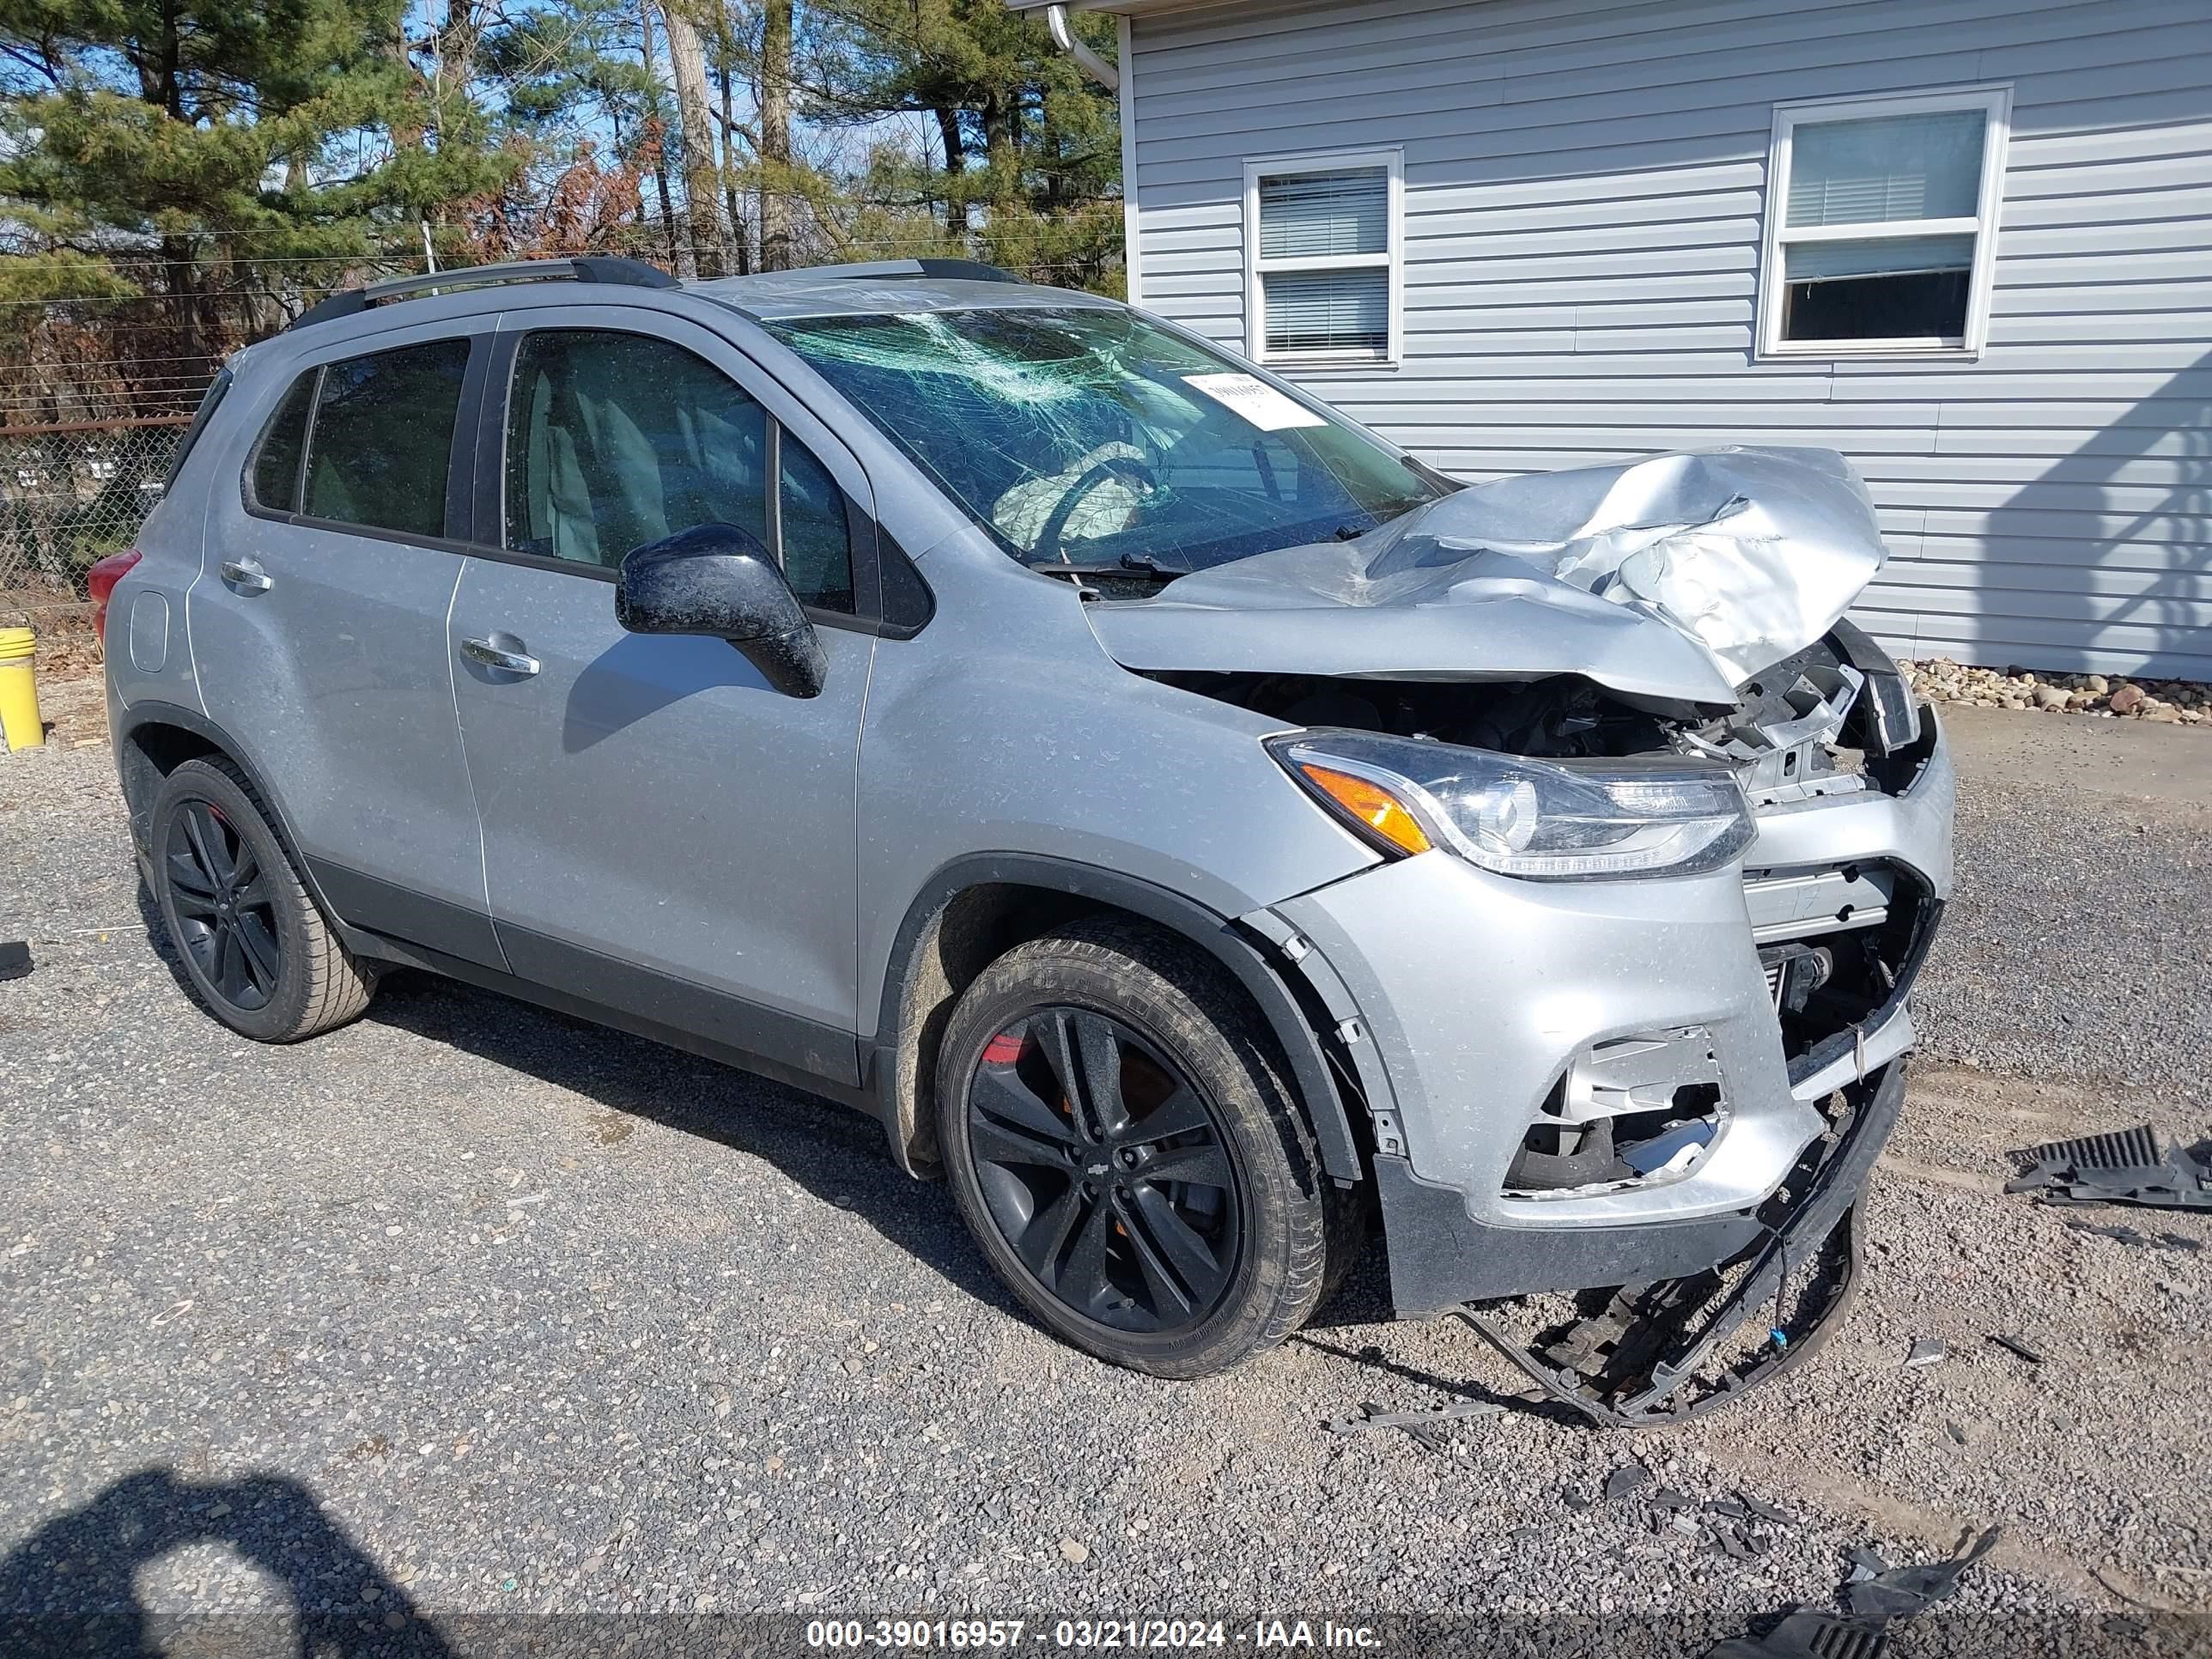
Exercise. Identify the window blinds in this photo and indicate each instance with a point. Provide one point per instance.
(1341, 310)
(1314, 215)
(1891, 166)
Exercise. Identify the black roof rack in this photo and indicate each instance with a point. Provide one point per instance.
(971, 270)
(588, 267)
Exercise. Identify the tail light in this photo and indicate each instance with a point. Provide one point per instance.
(100, 582)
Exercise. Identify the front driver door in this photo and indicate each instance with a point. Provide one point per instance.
(664, 833)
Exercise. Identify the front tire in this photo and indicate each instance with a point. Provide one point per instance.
(256, 953)
(1119, 1140)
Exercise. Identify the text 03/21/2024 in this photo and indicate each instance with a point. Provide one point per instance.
(1086, 1633)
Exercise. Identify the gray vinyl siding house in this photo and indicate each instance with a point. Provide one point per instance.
(1582, 202)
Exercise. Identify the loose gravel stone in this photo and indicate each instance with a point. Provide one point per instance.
(2179, 702)
(282, 1326)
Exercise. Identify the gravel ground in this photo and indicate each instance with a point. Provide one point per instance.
(469, 1310)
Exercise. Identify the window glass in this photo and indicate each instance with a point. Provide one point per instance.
(1092, 437)
(1913, 287)
(1880, 218)
(1327, 311)
(1323, 263)
(383, 438)
(616, 440)
(1310, 215)
(817, 549)
(209, 400)
(276, 459)
(1894, 167)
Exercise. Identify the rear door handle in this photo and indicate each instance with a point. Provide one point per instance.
(247, 576)
(501, 651)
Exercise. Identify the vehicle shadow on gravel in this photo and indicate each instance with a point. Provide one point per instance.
(70, 1587)
(834, 1154)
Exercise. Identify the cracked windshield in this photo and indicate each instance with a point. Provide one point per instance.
(1092, 440)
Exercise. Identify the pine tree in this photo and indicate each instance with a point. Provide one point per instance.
(1027, 141)
(238, 146)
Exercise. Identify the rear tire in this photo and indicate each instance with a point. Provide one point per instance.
(1118, 1139)
(258, 953)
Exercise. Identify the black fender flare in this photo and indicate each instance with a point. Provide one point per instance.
(1211, 931)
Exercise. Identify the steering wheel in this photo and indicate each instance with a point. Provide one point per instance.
(1047, 541)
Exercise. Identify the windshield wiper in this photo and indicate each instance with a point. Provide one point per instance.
(1129, 564)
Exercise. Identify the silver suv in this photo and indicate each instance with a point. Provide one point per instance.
(1186, 822)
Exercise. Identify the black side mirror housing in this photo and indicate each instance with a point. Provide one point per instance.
(718, 579)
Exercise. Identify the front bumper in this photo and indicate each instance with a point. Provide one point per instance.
(1479, 1001)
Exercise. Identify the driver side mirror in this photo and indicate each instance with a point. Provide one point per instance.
(718, 580)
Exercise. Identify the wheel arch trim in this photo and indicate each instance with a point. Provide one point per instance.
(139, 715)
(1214, 933)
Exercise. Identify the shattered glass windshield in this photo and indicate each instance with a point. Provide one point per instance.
(1090, 437)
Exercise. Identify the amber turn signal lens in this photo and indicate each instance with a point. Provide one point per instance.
(1372, 804)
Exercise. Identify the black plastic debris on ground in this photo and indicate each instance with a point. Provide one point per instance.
(2122, 1234)
(2014, 1345)
(1883, 1596)
(1907, 1592)
(2125, 1166)
(1625, 1479)
(15, 959)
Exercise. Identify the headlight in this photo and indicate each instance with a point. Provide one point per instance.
(1546, 820)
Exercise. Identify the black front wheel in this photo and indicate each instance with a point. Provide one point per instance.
(1119, 1140)
(258, 953)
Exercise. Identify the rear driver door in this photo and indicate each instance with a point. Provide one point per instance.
(318, 625)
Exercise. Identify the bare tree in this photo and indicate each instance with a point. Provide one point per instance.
(779, 241)
(703, 229)
(740, 237)
(679, 248)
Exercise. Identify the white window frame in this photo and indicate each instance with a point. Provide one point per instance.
(1392, 162)
(1994, 102)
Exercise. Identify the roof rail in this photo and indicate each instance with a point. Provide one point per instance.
(588, 267)
(972, 270)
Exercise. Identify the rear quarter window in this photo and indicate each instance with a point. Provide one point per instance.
(209, 402)
(273, 474)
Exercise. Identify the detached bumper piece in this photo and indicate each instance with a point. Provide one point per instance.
(2124, 1167)
(1655, 1356)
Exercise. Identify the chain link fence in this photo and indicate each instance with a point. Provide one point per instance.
(72, 494)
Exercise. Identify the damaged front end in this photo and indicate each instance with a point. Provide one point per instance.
(1624, 1036)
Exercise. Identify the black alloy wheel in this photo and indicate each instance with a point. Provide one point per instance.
(257, 950)
(1106, 1170)
(225, 905)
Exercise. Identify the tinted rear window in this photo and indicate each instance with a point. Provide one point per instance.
(201, 416)
(382, 438)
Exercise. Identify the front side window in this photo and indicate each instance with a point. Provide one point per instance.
(1882, 216)
(618, 440)
(381, 442)
(1090, 436)
(1320, 237)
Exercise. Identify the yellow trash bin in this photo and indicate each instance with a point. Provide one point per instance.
(19, 690)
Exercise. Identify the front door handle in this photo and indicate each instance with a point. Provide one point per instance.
(247, 576)
(501, 651)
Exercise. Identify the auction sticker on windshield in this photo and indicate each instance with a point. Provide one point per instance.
(1255, 399)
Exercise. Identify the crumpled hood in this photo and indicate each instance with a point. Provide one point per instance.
(1679, 576)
